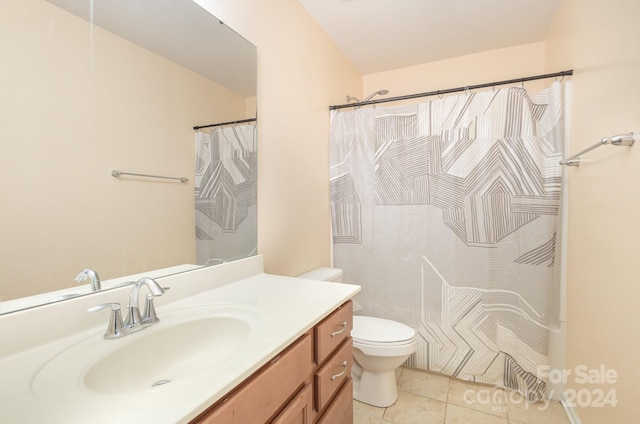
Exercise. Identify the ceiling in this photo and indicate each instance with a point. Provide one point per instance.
(380, 35)
(179, 30)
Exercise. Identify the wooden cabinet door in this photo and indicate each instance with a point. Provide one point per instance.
(267, 390)
(341, 410)
(299, 410)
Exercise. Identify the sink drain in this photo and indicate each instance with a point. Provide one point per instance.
(160, 383)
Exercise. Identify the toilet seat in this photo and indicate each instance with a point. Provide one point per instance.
(382, 337)
(380, 331)
(387, 345)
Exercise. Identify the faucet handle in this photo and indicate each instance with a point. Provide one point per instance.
(115, 326)
(149, 316)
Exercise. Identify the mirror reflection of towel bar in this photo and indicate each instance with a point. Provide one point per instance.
(616, 140)
(117, 173)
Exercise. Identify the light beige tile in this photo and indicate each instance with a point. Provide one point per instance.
(359, 418)
(459, 415)
(366, 414)
(522, 411)
(415, 409)
(479, 397)
(424, 383)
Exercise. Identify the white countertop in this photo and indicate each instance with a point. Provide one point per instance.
(288, 306)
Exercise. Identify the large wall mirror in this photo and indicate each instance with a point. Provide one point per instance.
(93, 86)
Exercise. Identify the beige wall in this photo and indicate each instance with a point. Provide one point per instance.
(300, 73)
(71, 112)
(600, 41)
(479, 68)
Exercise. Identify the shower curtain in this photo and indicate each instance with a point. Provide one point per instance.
(225, 194)
(446, 212)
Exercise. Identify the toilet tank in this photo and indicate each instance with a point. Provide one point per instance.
(328, 274)
(324, 274)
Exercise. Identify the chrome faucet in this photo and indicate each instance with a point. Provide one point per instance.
(134, 318)
(90, 274)
(135, 321)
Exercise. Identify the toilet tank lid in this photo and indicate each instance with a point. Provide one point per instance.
(323, 274)
(380, 330)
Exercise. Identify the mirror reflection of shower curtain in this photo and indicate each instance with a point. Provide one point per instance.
(446, 212)
(225, 194)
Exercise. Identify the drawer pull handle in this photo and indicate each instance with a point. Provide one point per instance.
(344, 369)
(344, 328)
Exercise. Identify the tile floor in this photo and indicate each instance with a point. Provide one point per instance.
(426, 398)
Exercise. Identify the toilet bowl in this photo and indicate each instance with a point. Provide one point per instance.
(380, 346)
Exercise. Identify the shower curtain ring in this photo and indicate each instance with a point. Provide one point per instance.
(467, 90)
(440, 94)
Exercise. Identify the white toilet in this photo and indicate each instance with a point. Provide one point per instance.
(380, 346)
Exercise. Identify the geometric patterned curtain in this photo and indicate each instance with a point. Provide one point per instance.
(225, 193)
(446, 212)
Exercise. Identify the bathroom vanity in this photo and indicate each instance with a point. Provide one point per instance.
(233, 345)
(309, 381)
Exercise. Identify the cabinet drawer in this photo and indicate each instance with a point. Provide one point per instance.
(341, 410)
(267, 390)
(330, 377)
(333, 331)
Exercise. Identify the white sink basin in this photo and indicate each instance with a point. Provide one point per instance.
(184, 344)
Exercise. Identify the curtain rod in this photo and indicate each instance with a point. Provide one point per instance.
(454, 90)
(242, 121)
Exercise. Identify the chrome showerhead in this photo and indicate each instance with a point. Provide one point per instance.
(369, 97)
(377, 93)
